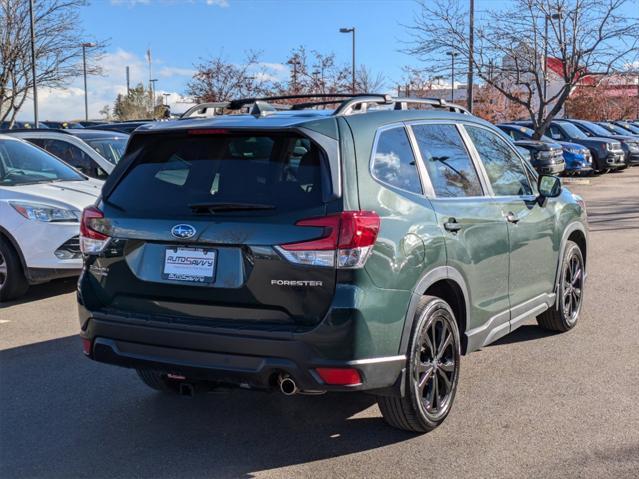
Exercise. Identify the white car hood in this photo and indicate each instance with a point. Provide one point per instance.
(77, 194)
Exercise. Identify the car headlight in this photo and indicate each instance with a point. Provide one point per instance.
(544, 155)
(46, 213)
(634, 147)
(576, 151)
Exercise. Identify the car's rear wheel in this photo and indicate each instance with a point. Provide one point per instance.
(571, 292)
(432, 370)
(13, 282)
(157, 380)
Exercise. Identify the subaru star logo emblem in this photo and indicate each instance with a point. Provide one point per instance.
(183, 231)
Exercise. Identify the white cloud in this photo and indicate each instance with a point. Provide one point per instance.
(130, 3)
(218, 3)
(68, 103)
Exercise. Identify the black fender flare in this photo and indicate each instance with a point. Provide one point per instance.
(426, 281)
(571, 228)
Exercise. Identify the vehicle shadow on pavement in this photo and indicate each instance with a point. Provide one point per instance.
(62, 415)
(526, 332)
(618, 214)
(44, 291)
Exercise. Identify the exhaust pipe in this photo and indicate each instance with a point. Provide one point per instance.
(287, 384)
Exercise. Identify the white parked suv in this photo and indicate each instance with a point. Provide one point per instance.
(41, 200)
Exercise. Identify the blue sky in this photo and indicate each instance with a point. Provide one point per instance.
(179, 32)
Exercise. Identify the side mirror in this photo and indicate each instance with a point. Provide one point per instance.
(549, 187)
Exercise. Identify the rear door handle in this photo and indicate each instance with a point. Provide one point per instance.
(452, 225)
(512, 218)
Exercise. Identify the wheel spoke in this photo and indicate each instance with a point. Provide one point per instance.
(424, 379)
(448, 366)
(576, 277)
(3, 268)
(447, 383)
(444, 345)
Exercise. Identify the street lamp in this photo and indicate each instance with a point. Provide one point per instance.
(452, 74)
(351, 30)
(33, 66)
(152, 83)
(84, 66)
(166, 98)
(554, 16)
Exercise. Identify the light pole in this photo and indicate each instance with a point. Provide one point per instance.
(152, 82)
(554, 16)
(166, 98)
(452, 74)
(294, 62)
(471, 46)
(351, 30)
(84, 67)
(33, 66)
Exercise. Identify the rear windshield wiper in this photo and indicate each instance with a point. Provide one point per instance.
(213, 207)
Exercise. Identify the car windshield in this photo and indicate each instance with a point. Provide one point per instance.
(573, 131)
(199, 174)
(529, 132)
(596, 129)
(22, 163)
(634, 129)
(110, 148)
(616, 129)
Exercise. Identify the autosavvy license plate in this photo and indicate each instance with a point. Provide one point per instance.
(195, 265)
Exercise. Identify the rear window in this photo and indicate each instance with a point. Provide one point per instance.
(178, 176)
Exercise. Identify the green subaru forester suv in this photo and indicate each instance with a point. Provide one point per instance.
(351, 243)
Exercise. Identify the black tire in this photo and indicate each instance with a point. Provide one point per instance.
(434, 368)
(13, 282)
(156, 380)
(570, 292)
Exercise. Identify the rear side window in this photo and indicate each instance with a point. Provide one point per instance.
(71, 155)
(506, 172)
(449, 166)
(394, 162)
(279, 172)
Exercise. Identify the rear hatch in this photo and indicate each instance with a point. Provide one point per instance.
(195, 222)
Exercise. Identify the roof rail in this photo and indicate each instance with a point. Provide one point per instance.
(349, 104)
(36, 130)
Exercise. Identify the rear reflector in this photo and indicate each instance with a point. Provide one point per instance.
(339, 376)
(86, 346)
(346, 241)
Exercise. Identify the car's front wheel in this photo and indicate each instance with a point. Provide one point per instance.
(13, 282)
(570, 291)
(432, 370)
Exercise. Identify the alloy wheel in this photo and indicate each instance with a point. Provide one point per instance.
(435, 367)
(572, 288)
(3, 270)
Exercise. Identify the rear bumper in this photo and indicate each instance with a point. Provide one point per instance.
(250, 359)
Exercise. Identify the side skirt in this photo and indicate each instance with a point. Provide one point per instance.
(499, 325)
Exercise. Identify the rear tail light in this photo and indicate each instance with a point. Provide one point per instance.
(346, 242)
(93, 231)
(86, 346)
(340, 376)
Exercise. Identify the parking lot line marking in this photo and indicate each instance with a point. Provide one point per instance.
(5, 321)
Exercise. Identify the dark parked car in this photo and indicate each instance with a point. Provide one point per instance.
(620, 127)
(577, 158)
(62, 125)
(123, 127)
(546, 157)
(607, 154)
(629, 143)
(20, 125)
(358, 249)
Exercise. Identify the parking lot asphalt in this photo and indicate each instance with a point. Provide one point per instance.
(534, 404)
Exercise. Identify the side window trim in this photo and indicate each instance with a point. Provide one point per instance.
(426, 181)
(483, 169)
(371, 163)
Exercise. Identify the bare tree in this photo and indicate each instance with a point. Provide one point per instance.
(58, 50)
(216, 79)
(368, 82)
(512, 43)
